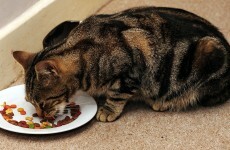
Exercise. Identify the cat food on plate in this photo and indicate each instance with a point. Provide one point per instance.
(21, 110)
(7, 113)
(29, 118)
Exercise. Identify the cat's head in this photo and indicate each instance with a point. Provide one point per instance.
(47, 84)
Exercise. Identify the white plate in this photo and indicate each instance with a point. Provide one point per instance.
(16, 94)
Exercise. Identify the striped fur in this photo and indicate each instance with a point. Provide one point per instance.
(169, 58)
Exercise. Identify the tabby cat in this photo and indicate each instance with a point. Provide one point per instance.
(169, 58)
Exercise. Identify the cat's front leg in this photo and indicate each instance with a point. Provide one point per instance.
(111, 110)
(118, 94)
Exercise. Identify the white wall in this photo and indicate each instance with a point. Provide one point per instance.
(10, 9)
(29, 34)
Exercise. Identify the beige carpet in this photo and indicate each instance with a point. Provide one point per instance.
(140, 127)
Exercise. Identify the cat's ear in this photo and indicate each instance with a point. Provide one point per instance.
(47, 71)
(24, 58)
(59, 33)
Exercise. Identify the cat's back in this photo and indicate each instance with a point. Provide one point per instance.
(156, 20)
(178, 21)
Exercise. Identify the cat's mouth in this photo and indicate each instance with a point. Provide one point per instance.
(48, 115)
(58, 110)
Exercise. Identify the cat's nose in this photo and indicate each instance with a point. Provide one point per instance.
(39, 112)
(47, 115)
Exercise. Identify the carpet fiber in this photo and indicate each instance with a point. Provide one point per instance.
(139, 127)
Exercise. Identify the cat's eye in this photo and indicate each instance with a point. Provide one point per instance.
(56, 97)
(41, 105)
(56, 103)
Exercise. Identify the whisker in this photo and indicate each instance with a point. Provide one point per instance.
(83, 103)
(59, 113)
(71, 108)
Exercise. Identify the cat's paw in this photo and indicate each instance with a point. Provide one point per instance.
(159, 107)
(104, 114)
